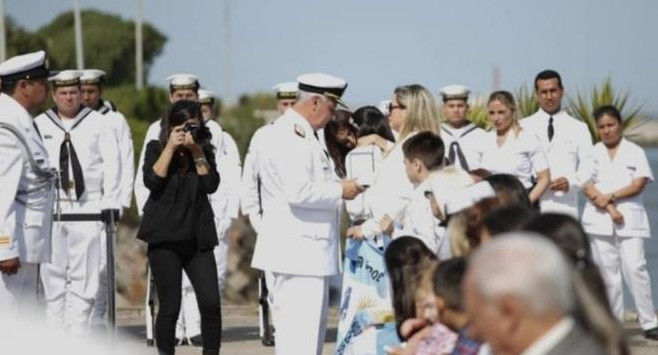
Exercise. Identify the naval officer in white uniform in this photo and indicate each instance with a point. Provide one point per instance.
(28, 184)
(463, 140)
(567, 143)
(91, 84)
(287, 94)
(82, 143)
(615, 218)
(301, 196)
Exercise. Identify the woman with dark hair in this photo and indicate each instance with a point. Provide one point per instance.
(615, 219)
(406, 257)
(373, 125)
(340, 137)
(593, 309)
(178, 223)
(506, 218)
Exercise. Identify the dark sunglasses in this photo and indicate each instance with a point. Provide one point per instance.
(392, 107)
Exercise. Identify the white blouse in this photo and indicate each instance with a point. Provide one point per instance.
(520, 155)
(609, 175)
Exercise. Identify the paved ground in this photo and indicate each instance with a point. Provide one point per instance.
(240, 335)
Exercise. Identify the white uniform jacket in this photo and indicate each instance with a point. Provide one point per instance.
(629, 164)
(26, 203)
(141, 192)
(95, 144)
(301, 199)
(125, 140)
(225, 201)
(469, 138)
(250, 200)
(521, 155)
(569, 155)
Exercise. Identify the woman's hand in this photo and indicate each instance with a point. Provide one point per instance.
(190, 144)
(386, 224)
(354, 232)
(617, 217)
(601, 200)
(176, 138)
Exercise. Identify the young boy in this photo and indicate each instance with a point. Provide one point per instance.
(423, 153)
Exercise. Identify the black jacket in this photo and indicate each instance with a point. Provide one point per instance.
(178, 207)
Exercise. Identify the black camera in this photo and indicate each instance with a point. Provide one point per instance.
(199, 134)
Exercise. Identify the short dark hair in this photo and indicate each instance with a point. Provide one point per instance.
(8, 87)
(609, 110)
(507, 218)
(548, 74)
(427, 147)
(447, 281)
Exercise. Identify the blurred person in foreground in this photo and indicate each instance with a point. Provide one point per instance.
(519, 297)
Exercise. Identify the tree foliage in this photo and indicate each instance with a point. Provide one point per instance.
(108, 41)
(582, 107)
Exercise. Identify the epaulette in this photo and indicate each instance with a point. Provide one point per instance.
(299, 130)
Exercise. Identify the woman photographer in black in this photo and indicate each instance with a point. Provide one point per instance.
(178, 222)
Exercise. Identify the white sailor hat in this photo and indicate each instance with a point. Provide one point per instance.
(286, 91)
(183, 82)
(26, 66)
(323, 84)
(206, 97)
(469, 196)
(454, 92)
(66, 78)
(92, 76)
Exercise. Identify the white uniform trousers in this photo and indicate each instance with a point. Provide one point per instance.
(70, 281)
(617, 256)
(18, 292)
(300, 313)
(100, 306)
(189, 319)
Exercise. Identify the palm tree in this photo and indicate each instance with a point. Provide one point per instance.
(582, 108)
(526, 102)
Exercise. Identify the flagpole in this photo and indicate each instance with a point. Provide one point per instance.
(139, 49)
(79, 51)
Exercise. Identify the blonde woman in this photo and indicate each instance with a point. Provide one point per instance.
(511, 150)
(412, 109)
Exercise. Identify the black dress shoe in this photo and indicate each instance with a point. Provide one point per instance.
(196, 340)
(651, 333)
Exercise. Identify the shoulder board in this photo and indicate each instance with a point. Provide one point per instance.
(300, 131)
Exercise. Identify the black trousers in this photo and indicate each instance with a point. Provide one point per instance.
(167, 261)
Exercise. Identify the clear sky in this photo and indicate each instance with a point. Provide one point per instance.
(379, 44)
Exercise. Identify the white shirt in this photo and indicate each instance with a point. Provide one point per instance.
(96, 147)
(569, 156)
(141, 192)
(520, 155)
(390, 192)
(551, 339)
(125, 140)
(356, 208)
(470, 139)
(419, 221)
(609, 175)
